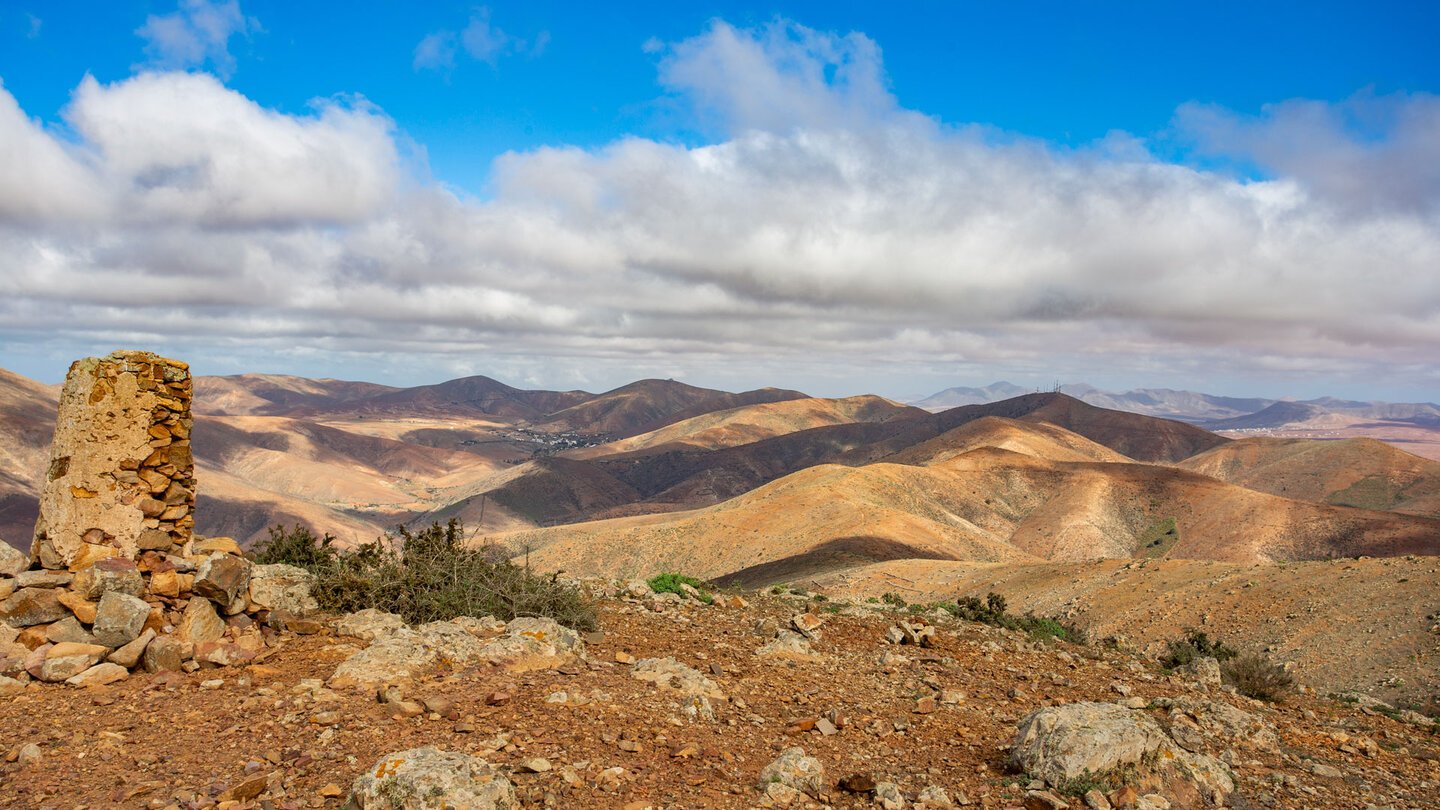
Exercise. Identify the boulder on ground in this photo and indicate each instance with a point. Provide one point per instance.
(793, 769)
(671, 673)
(1204, 669)
(1227, 724)
(282, 587)
(452, 643)
(787, 644)
(431, 778)
(386, 661)
(1060, 744)
(222, 654)
(369, 624)
(562, 638)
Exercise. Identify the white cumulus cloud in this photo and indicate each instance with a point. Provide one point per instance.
(827, 232)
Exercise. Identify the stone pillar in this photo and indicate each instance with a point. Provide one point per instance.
(121, 478)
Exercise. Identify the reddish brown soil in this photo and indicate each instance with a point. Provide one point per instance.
(141, 745)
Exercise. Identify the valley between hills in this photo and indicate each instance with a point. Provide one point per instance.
(1324, 553)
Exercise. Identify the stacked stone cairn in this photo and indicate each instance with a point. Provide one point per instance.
(116, 579)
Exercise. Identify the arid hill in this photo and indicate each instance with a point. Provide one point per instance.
(276, 394)
(648, 405)
(1349, 472)
(986, 504)
(1037, 439)
(750, 423)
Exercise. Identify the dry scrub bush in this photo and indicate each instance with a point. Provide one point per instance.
(428, 575)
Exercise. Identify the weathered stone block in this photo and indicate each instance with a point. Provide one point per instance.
(40, 578)
(163, 653)
(87, 554)
(99, 675)
(119, 619)
(64, 661)
(12, 560)
(68, 629)
(30, 606)
(129, 655)
(111, 574)
(200, 622)
(83, 608)
(224, 579)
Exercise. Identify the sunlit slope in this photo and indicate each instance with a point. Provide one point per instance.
(816, 511)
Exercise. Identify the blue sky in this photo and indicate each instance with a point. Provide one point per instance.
(841, 197)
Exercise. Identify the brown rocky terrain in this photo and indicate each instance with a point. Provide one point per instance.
(1368, 624)
(284, 733)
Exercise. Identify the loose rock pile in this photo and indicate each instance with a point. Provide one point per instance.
(116, 578)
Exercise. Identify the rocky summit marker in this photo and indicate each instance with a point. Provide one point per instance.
(121, 478)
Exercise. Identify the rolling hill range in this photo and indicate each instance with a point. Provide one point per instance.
(981, 504)
(1348, 472)
(658, 468)
(1413, 426)
(354, 459)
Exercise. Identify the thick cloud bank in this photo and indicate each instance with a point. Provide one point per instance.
(825, 227)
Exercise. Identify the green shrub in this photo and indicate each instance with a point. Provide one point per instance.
(298, 547)
(1253, 675)
(429, 575)
(670, 583)
(894, 599)
(1195, 644)
(992, 612)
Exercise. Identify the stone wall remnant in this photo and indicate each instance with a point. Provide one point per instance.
(116, 579)
(121, 477)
